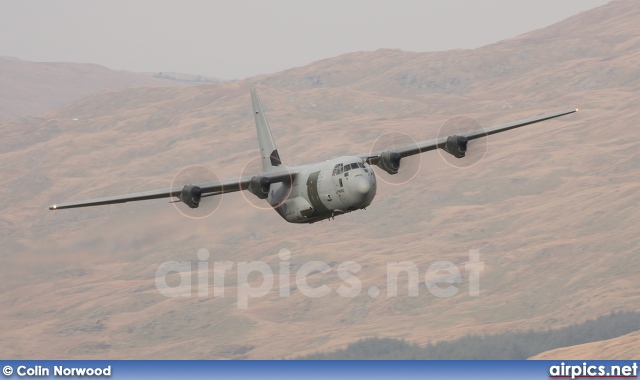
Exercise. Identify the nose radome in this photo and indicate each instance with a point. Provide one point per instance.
(360, 185)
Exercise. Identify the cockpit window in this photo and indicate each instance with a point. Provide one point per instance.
(337, 169)
(344, 168)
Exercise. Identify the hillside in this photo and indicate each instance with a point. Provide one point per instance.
(552, 208)
(519, 345)
(31, 88)
(623, 347)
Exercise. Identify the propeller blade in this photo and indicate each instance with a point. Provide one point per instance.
(475, 150)
(252, 168)
(196, 174)
(408, 166)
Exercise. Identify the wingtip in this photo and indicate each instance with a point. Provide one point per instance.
(54, 207)
(577, 109)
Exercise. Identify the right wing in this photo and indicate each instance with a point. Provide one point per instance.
(206, 189)
(440, 142)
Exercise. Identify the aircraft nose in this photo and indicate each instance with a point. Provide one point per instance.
(362, 186)
(359, 188)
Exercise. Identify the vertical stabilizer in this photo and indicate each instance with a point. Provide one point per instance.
(268, 150)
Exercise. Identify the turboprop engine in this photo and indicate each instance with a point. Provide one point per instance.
(456, 146)
(190, 195)
(389, 162)
(259, 186)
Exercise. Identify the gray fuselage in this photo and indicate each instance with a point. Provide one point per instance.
(324, 190)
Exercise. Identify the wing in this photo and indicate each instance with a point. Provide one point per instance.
(441, 142)
(204, 189)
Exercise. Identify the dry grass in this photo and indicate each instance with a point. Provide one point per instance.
(552, 208)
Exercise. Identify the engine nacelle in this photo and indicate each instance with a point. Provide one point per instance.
(191, 195)
(259, 186)
(389, 162)
(456, 146)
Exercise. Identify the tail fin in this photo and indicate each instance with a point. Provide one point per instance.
(268, 150)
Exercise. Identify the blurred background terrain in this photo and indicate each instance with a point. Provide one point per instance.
(552, 208)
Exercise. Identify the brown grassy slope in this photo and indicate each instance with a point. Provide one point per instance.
(552, 207)
(625, 346)
(31, 88)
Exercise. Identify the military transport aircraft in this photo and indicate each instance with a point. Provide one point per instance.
(313, 192)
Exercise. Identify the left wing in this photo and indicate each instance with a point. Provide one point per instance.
(191, 194)
(456, 145)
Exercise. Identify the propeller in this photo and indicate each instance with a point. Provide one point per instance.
(260, 186)
(454, 128)
(406, 168)
(192, 203)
